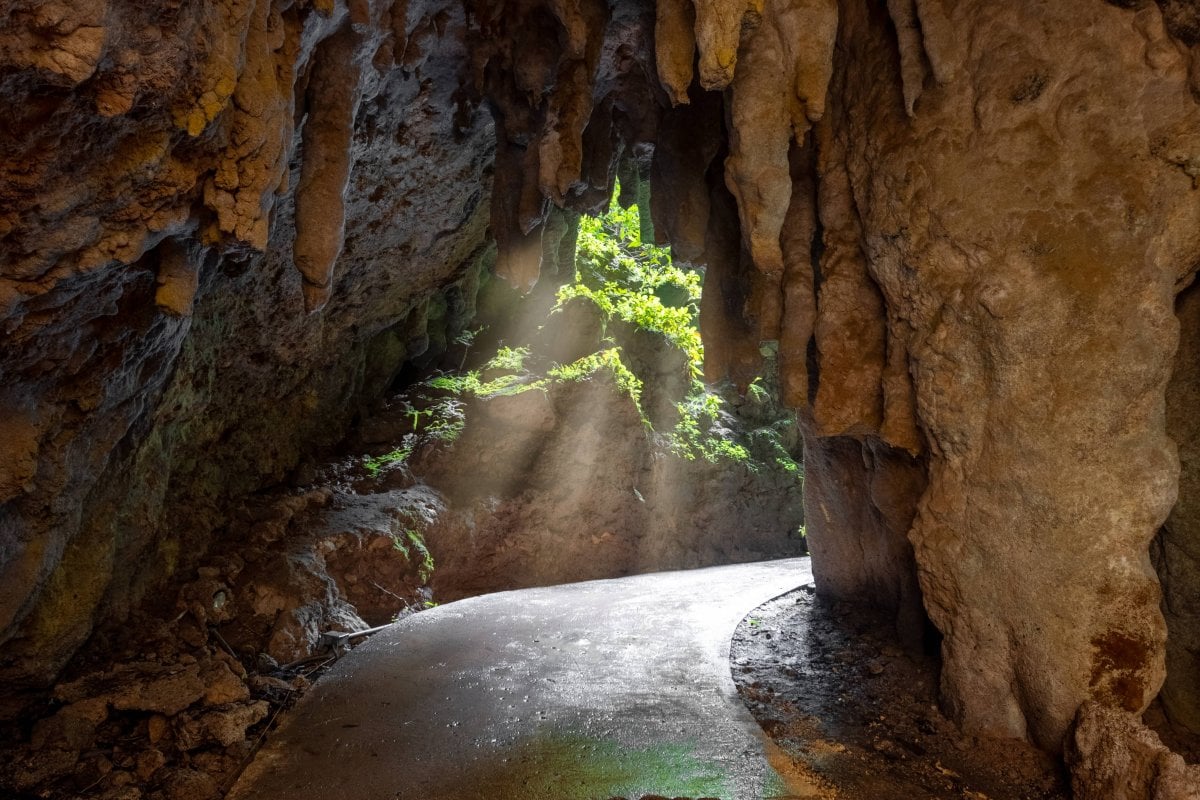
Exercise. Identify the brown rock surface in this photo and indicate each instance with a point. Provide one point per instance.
(566, 483)
(961, 226)
(860, 500)
(1114, 757)
(156, 356)
(1037, 318)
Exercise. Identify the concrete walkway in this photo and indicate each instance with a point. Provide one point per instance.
(578, 692)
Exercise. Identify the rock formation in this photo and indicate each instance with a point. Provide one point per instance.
(961, 225)
(1114, 757)
(182, 188)
(1028, 242)
(969, 265)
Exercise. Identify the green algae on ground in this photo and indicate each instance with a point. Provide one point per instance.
(575, 767)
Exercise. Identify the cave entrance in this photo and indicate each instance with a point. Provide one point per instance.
(569, 432)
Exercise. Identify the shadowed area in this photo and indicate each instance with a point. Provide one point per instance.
(589, 690)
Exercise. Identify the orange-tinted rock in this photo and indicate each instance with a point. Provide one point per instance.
(1027, 243)
(155, 356)
(860, 499)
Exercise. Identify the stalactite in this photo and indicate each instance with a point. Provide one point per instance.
(720, 26)
(178, 278)
(689, 139)
(799, 285)
(556, 141)
(912, 53)
(675, 47)
(794, 41)
(325, 171)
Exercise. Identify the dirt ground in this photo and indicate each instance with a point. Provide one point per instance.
(853, 716)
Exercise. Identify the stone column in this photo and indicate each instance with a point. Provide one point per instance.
(1022, 187)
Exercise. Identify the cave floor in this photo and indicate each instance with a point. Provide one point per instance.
(579, 692)
(854, 709)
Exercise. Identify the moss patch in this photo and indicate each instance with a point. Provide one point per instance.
(576, 767)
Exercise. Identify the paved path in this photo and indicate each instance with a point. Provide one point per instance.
(579, 692)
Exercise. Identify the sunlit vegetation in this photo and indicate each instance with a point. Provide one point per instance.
(503, 374)
(412, 546)
(376, 464)
(635, 281)
(633, 285)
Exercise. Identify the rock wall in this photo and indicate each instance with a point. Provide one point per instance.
(1028, 238)
(964, 230)
(221, 225)
(567, 484)
(961, 225)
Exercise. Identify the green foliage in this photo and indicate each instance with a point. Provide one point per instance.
(511, 359)
(443, 418)
(376, 464)
(767, 444)
(412, 546)
(698, 434)
(449, 383)
(507, 359)
(609, 359)
(446, 430)
(758, 392)
(635, 281)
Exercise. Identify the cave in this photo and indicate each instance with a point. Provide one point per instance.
(958, 237)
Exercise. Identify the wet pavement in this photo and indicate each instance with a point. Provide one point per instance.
(614, 688)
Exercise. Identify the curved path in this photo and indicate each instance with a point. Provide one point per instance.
(579, 692)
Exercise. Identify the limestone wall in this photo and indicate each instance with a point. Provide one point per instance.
(962, 225)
